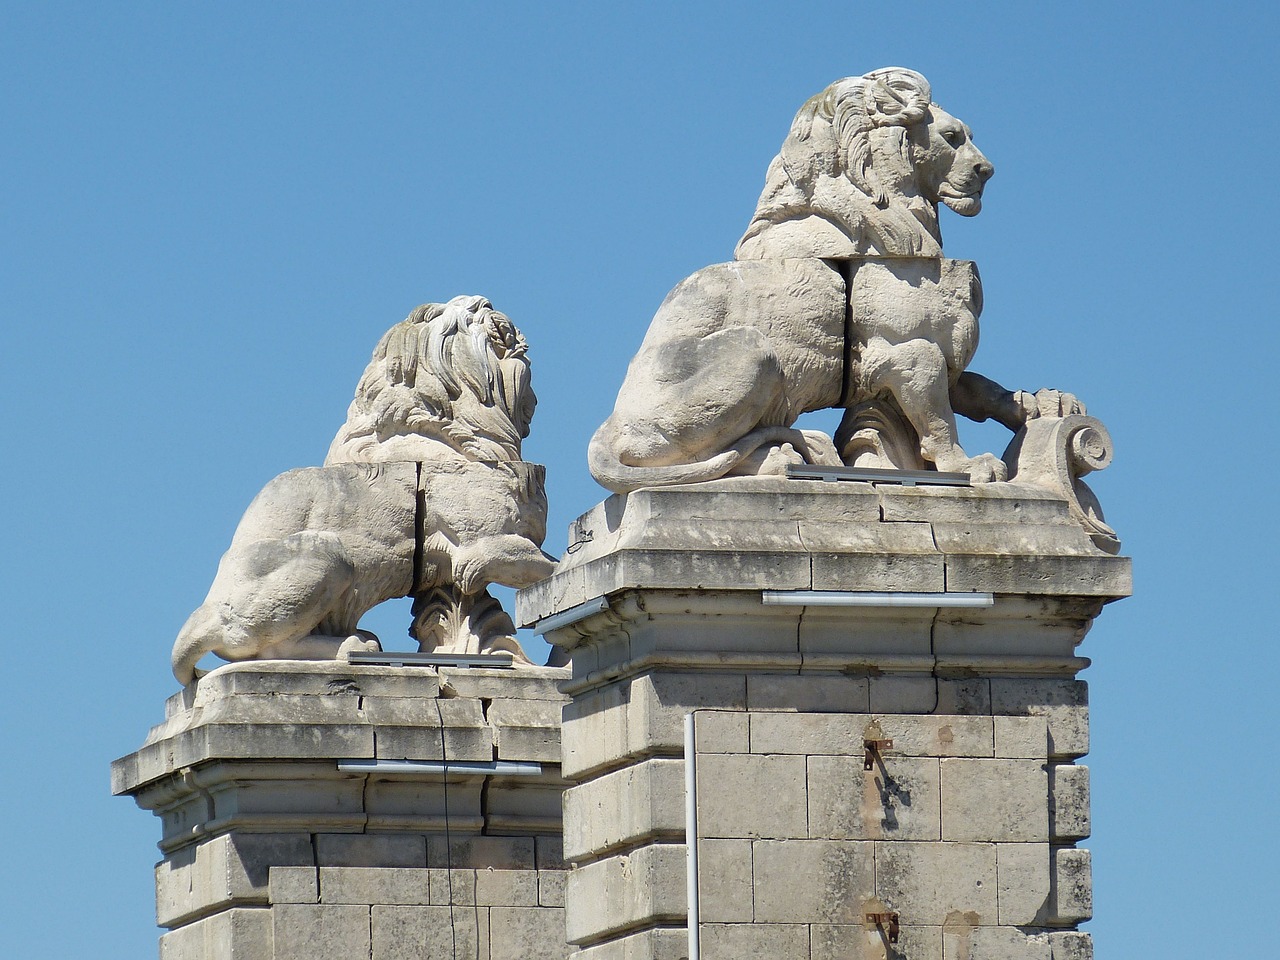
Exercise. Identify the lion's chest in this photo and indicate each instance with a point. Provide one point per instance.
(917, 298)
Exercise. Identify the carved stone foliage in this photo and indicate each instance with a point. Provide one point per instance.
(839, 297)
(423, 494)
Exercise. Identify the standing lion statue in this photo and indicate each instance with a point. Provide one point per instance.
(839, 297)
(423, 494)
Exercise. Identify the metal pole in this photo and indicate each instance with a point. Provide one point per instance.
(691, 833)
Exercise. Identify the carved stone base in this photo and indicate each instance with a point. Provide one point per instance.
(912, 764)
(276, 846)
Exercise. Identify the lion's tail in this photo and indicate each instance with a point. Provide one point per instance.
(196, 638)
(614, 475)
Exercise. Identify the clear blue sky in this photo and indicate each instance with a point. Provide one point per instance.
(212, 211)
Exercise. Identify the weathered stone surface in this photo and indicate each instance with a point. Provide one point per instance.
(224, 870)
(1022, 737)
(370, 885)
(864, 942)
(995, 800)
(929, 881)
(721, 731)
(610, 895)
(623, 807)
(751, 796)
(507, 888)
(812, 881)
(551, 888)
(835, 734)
(747, 941)
(452, 887)
(370, 850)
(1069, 817)
(963, 941)
(724, 881)
(1071, 945)
(1023, 882)
(1064, 703)
(523, 933)
(662, 943)
(526, 729)
(236, 934)
(500, 853)
(426, 933)
(1071, 887)
(807, 693)
(294, 885)
(896, 800)
(304, 932)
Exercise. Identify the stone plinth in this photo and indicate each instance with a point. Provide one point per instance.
(965, 828)
(272, 851)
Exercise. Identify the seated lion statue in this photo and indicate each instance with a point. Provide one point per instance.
(839, 297)
(423, 494)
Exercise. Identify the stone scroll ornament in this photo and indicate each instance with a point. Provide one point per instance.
(423, 494)
(839, 296)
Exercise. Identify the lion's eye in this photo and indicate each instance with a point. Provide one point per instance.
(953, 137)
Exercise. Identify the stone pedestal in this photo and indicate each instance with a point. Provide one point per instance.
(959, 838)
(281, 841)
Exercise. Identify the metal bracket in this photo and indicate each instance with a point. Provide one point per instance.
(885, 922)
(390, 658)
(907, 478)
(873, 748)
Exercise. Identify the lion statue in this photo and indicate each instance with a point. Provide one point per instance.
(839, 297)
(423, 494)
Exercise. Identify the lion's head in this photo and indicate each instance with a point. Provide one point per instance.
(862, 172)
(451, 379)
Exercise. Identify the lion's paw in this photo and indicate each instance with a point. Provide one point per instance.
(986, 468)
(362, 641)
(1050, 403)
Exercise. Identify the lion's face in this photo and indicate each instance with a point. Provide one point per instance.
(950, 169)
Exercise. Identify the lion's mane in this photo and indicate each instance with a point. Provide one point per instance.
(844, 182)
(450, 379)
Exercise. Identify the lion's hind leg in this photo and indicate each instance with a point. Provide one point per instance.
(267, 596)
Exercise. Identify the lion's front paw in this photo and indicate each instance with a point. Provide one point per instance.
(985, 468)
(1049, 403)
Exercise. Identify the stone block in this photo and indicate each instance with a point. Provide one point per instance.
(862, 942)
(408, 730)
(967, 697)
(807, 693)
(750, 941)
(294, 885)
(241, 933)
(642, 887)
(995, 800)
(896, 800)
(526, 729)
(874, 632)
(594, 735)
(963, 940)
(370, 885)
(843, 734)
(500, 853)
(661, 943)
(506, 888)
(1022, 737)
(551, 888)
(927, 882)
(232, 868)
(1063, 703)
(527, 683)
(659, 702)
(724, 881)
(812, 881)
(549, 852)
(520, 805)
(1069, 817)
(527, 933)
(427, 933)
(915, 569)
(904, 695)
(1070, 887)
(720, 731)
(332, 931)
(452, 887)
(370, 850)
(749, 795)
(1071, 945)
(624, 807)
(1097, 576)
(1022, 882)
